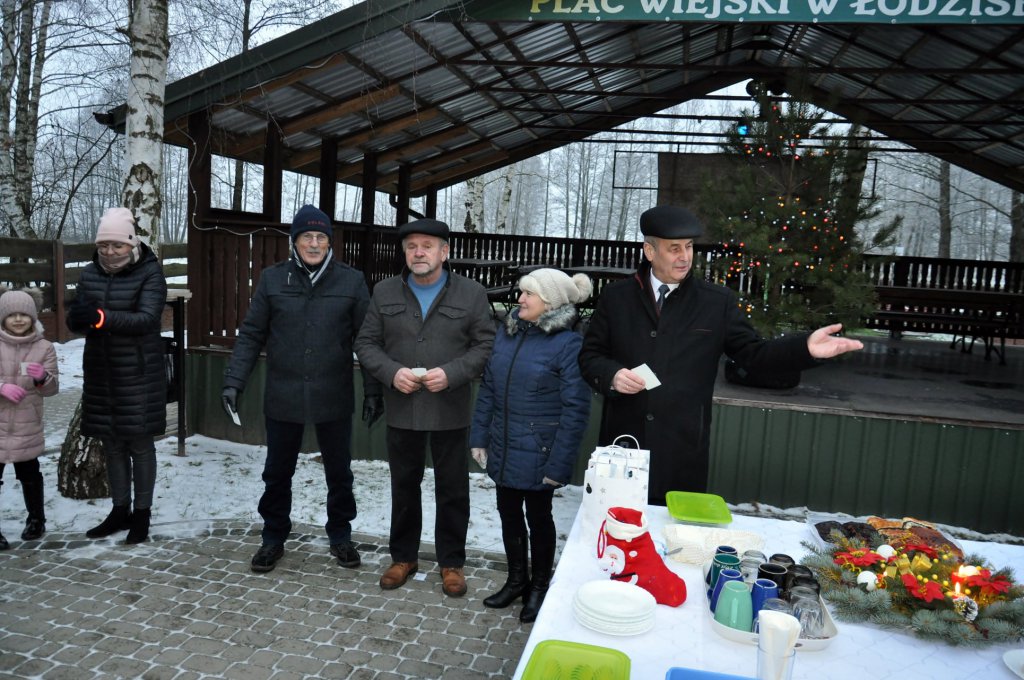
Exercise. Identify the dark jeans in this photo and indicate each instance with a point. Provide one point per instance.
(131, 462)
(25, 471)
(407, 459)
(538, 517)
(283, 443)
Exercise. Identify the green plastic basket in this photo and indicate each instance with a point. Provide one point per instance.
(700, 508)
(561, 660)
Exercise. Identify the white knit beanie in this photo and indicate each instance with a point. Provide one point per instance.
(117, 225)
(556, 288)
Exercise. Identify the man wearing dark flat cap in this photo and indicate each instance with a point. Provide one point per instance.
(679, 326)
(428, 333)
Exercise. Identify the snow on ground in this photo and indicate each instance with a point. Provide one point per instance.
(218, 479)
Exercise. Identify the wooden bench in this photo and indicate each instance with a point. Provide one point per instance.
(985, 315)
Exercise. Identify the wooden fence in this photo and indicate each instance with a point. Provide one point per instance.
(226, 255)
(53, 266)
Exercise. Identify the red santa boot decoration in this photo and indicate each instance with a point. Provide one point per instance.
(626, 551)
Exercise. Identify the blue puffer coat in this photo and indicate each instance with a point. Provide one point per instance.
(533, 405)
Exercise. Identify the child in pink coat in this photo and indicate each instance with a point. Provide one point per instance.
(28, 372)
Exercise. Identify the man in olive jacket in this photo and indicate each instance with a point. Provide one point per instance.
(679, 327)
(306, 312)
(428, 333)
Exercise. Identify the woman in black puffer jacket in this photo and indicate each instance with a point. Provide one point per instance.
(119, 304)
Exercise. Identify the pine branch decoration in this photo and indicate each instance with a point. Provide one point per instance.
(989, 610)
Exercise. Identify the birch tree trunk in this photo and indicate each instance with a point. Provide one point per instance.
(144, 124)
(945, 215)
(82, 467)
(1016, 227)
(501, 223)
(22, 57)
(474, 204)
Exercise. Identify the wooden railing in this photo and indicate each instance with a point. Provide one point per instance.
(53, 266)
(226, 255)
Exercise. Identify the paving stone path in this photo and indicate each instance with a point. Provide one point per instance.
(185, 605)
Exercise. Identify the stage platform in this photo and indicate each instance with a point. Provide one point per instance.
(916, 377)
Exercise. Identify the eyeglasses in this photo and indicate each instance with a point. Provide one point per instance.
(112, 246)
(310, 238)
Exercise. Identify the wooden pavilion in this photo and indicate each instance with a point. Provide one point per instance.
(410, 97)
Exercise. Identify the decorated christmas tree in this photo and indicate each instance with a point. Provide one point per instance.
(786, 217)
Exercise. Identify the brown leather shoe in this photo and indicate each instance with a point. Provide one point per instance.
(453, 582)
(397, 574)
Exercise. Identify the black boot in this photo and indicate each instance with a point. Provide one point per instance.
(543, 559)
(518, 581)
(138, 527)
(35, 525)
(4, 545)
(116, 521)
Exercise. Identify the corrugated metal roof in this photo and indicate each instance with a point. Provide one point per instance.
(454, 98)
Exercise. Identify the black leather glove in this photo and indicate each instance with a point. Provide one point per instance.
(373, 408)
(229, 400)
(84, 314)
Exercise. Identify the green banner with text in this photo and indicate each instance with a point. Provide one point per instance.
(756, 11)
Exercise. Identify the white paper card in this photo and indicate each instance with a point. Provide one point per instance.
(24, 367)
(234, 417)
(645, 372)
(419, 371)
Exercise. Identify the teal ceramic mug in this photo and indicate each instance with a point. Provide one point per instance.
(722, 561)
(734, 608)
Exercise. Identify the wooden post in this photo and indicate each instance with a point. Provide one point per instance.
(369, 188)
(200, 164)
(273, 172)
(404, 180)
(431, 208)
(329, 176)
(59, 291)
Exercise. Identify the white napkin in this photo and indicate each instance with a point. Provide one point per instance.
(778, 633)
(696, 545)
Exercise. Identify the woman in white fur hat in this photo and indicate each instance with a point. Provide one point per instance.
(531, 413)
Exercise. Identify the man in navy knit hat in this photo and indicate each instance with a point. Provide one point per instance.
(306, 312)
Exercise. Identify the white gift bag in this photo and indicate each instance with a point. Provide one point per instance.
(615, 476)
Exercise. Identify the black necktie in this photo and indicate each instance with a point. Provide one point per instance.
(662, 292)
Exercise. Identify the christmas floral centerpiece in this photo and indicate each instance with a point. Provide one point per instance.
(928, 587)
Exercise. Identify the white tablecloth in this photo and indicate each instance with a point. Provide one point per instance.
(683, 636)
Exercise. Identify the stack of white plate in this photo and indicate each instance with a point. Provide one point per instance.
(614, 607)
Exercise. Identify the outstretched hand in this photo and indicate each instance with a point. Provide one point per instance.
(822, 344)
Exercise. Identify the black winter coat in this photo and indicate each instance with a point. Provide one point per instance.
(699, 322)
(124, 392)
(308, 333)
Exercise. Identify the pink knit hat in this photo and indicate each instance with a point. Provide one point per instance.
(117, 225)
(18, 301)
